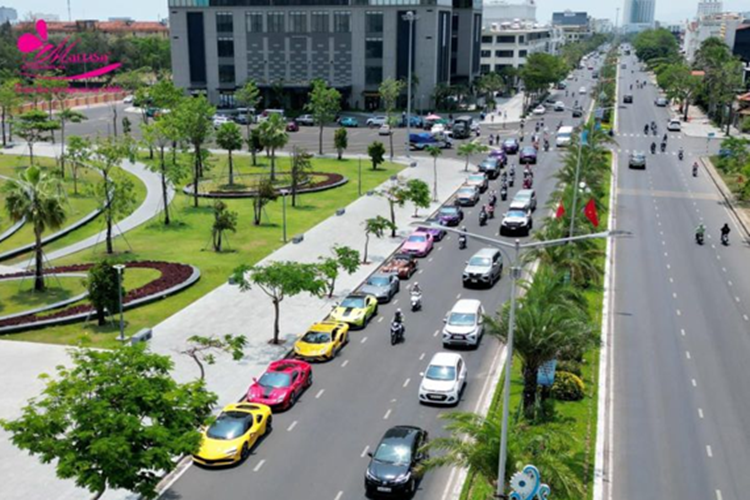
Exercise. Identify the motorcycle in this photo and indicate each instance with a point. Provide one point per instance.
(461, 241)
(664, 147)
(653, 148)
(681, 155)
(397, 332)
(546, 146)
(699, 238)
(491, 211)
(416, 301)
(725, 239)
(695, 170)
(645, 130)
(483, 218)
(527, 183)
(504, 194)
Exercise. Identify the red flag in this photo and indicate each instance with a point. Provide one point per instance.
(560, 211)
(590, 212)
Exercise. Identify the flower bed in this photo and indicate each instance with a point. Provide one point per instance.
(325, 181)
(174, 277)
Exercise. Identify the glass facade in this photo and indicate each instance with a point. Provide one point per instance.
(309, 3)
(505, 39)
(225, 46)
(254, 21)
(374, 48)
(224, 22)
(275, 22)
(319, 22)
(226, 73)
(298, 22)
(342, 22)
(373, 22)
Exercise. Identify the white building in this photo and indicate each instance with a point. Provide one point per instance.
(8, 15)
(709, 7)
(499, 11)
(638, 15)
(723, 25)
(508, 44)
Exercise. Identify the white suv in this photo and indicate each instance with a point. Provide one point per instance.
(464, 325)
(444, 380)
(674, 125)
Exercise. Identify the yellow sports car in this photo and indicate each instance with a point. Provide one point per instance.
(356, 310)
(233, 434)
(322, 341)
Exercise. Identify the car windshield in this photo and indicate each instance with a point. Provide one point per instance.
(449, 210)
(462, 319)
(479, 261)
(436, 372)
(275, 380)
(510, 142)
(415, 238)
(466, 191)
(516, 213)
(488, 163)
(355, 302)
(317, 337)
(476, 178)
(228, 426)
(521, 196)
(378, 281)
(394, 454)
(529, 151)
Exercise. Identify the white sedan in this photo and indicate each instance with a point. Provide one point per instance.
(444, 380)
(582, 90)
(384, 129)
(539, 110)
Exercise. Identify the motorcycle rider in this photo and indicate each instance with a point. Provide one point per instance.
(681, 154)
(700, 231)
(653, 147)
(695, 169)
(416, 295)
(725, 233)
(663, 146)
(493, 198)
(664, 139)
(462, 238)
(482, 216)
(645, 129)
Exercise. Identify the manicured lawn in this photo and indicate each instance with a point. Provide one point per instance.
(19, 295)
(188, 240)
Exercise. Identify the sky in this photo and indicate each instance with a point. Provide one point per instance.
(668, 11)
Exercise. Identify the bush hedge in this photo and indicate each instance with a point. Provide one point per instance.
(567, 387)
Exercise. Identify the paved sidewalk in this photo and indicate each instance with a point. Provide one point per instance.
(508, 111)
(150, 207)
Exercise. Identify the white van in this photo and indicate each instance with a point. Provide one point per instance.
(563, 136)
(268, 112)
(464, 324)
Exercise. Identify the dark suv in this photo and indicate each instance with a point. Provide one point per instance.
(394, 466)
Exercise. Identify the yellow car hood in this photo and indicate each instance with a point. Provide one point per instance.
(305, 349)
(347, 313)
(214, 449)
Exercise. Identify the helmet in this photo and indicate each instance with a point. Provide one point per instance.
(463, 228)
(416, 283)
(398, 311)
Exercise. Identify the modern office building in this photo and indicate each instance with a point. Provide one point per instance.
(638, 15)
(8, 15)
(509, 44)
(723, 25)
(217, 45)
(575, 25)
(709, 7)
(500, 11)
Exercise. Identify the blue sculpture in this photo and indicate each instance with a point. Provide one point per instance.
(527, 485)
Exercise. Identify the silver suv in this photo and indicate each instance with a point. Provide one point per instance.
(484, 268)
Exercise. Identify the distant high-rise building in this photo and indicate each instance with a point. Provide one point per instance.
(8, 15)
(575, 25)
(638, 14)
(498, 11)
(709, 7)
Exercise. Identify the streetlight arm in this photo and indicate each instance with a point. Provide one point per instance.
(561, 241)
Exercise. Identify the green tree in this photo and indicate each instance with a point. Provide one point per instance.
(340, 141)
(375, 226)
(376, 151)
(203, 350)
(343, 258)
(395, 194)
(34, 197)
(300, 171)
(489, 85)
(78, 152)
(229, 137)
(160, 134)
(279, 280)
(224, 220)
(680, 84)
(737, 154)
(323, 104)
(273, 136)
(104, 295)
(390, 90)
(66, 116)
(435, 152)
(541, 70)
(418, 192)
(114, 419)
(264, 193)
(9, 102)
(34, 126)
(469, 149)
(579, 261)
(255, 144)
(193, 123)
(249, 96)
(115, 191)
(655, 44)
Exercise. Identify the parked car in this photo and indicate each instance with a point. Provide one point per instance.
(357, 309)
(490, 166)
(402, 265)
(322, 341)
(464, 324)
(128, 99)
(220, 120)
(292, 126)
(232, 435)
(418, 244)
(444, 380)
(306, 120)
(559, 106)
(268, 112)
(375, 121)
(484, 268)
(450, 215)
(527, 155)
(281, 384)
(524, 199)
(637, 160)
(539, 110)
(479, 180)
(382, 286)
(384, 129)
(582, 90)
(349, 122)
(510, 146)
(436, 233)
(674, 125)
(516, 222)
(395, 467)
(467, 196)
(661, 102)
(562, 85)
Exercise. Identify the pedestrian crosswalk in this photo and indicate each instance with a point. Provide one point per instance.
(658, 153)
(655, 137)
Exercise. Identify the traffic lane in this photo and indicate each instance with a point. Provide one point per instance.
(366, 405)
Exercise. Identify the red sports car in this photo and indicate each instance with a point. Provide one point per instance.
(282, 384)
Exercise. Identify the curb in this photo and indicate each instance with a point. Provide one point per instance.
(188, 190)
(49, 307)
(728, 196)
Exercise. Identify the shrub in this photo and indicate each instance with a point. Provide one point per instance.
(569, 366)
(745, 125)
(567, 387)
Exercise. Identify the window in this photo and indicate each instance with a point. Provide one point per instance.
(521, 39)
(499, 67)
(373, 75)
(341, 22)
(275, 22)
(298, 22)
(503, 53)
(454, 23)
(224, 22)
(522, 53)
(226, 73)
(254, 22)
(319, 22)
(225, 46)
(506, 39)
(486, 39)
(486, 53)
(484, 68)
(374, 48)
(373, 22)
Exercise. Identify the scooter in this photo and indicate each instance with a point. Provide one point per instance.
(416, 301)
(664, 147)
(699, 238)
(725, 239)
(653, 148)
(695, 171)
(397, 332)
(681, 155)
(491, 211)
(482, 218)
(461, 241)
(527, 183)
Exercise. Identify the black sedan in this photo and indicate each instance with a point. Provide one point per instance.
(395, 466)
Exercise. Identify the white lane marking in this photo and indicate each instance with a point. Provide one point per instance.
(671, 280)
(664, 243)
(679, 313)
(458, 296)
(718, 495)
(687, 354)
(700, 412)
(669, 266)
(395, 302)
(364, 452)
(736, 299)
(429, 260)
(440, 248)
(260, 464)
(339, 495)
(666, 254)
(364, 339)
(682, 331)
(346, 362)
(380, 319)
(387, 414)
(708, 451)
(729, 282)
(407, 382)
(320, 393)
(420, 271)
(294, 424)
(724, 269)
(436, 333)
(421, 357)
(695, 384)
(744, 316)
(718, 257)
(674, 295)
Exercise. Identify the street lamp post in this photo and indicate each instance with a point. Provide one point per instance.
(409, 17)
(515, 276)
(284, 192)
(120, 268)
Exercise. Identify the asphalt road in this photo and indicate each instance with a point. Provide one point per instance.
(681, 397)
(317, 450)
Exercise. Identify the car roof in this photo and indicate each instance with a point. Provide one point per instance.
(405, 432)
(285, 365)
(485, 252)
(445, 358)
(469, 305)
(524, 193)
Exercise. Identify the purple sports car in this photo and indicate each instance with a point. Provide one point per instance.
(437, 234)
(510, 146)
(500, 155)
(450, 215)
(527, 155)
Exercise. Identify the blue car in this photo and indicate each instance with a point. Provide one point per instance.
(348, 122)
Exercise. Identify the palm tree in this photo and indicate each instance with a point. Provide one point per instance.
(435, 152)
(579, 260)
(551, 318)
(34, 196)
(469, 149)
(273, 136)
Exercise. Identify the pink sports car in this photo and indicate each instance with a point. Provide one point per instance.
(418, 244)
